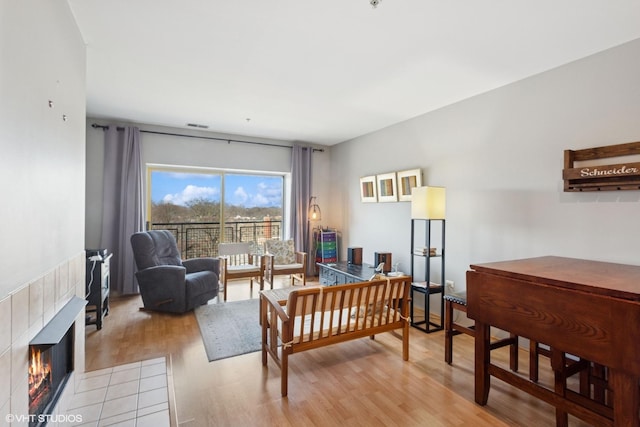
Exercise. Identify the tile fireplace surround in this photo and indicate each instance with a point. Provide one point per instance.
(23, 313)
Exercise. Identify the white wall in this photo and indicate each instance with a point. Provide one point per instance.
(43, 157)
(195, 152)
(42, 171)
(500, 156)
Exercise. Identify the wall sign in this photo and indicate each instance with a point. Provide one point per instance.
(611, 177)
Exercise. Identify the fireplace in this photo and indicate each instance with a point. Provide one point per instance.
(49, 370)
(51, 362)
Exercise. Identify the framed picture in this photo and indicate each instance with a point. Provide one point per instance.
(368, 192)
(406, 181)
(387, 190)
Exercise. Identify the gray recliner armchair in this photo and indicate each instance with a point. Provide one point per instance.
(168, 283)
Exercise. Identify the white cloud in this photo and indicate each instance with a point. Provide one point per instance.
(191, 192)
(261, 196)
(260, 200)
(240, 196)
(268, 195)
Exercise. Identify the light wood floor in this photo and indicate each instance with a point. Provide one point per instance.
(358, 383)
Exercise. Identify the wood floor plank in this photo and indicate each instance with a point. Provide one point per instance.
(358, 383)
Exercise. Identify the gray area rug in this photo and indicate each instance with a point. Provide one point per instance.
(230, 329)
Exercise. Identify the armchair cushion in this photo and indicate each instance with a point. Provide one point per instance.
(287, 266)
(283, 251)
(157, 247)
(194, 265)
(243, 268)
(282, 259)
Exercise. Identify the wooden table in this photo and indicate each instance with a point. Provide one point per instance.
(585, 308)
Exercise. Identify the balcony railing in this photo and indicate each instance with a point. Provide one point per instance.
(200, 239)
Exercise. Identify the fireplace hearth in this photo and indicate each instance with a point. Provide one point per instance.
(51, 361)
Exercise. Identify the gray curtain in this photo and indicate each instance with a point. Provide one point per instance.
(123, 204)
(300, 193)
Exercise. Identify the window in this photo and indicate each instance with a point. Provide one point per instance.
(204, 207)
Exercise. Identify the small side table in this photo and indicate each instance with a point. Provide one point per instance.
(98, 287)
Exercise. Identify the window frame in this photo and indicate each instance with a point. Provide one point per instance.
(286, 190)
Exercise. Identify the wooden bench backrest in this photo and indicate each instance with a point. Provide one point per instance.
(324, 312)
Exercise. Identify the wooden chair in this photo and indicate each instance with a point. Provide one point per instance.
(281, 258)
(593, 384)
(458, 301)
(237, 262)
(535, 351)
(590, 374)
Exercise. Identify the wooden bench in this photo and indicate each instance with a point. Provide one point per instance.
(314, 317)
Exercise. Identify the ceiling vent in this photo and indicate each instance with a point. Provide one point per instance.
(195, 125)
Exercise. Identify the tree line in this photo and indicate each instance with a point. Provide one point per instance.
(203, 210)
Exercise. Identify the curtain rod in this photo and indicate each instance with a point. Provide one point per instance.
(229, 141)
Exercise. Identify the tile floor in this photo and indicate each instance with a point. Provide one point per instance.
(131, 395)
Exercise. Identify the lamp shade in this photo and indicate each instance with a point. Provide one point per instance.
(314, 210)
(428, 203)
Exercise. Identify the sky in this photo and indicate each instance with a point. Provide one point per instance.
(245, 190)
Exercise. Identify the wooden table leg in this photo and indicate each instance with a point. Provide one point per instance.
(558, 363)
(482, 360)
(626, 398)
(264, 324)
(513, 353)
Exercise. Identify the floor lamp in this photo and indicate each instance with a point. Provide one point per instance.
(314, 214)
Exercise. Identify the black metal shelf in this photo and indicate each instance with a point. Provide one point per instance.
(427, 325)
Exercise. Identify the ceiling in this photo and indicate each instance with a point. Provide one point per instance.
(326, 71)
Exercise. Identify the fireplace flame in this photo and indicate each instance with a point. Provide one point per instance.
(39, 374)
